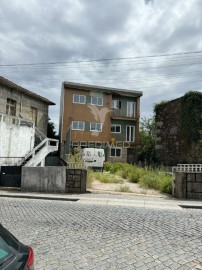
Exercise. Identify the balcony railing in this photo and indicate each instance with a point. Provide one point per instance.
(15, 120)
(188, 168)
(120, 114)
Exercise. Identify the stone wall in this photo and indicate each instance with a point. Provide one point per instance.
(188, 186)
(24, 104)
(76, 180)
(171, 148)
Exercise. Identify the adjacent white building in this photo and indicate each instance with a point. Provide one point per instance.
(23, 126)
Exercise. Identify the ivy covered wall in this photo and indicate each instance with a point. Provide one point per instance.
(179, 130)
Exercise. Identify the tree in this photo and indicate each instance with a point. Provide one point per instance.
(147, 141)
(51, 133)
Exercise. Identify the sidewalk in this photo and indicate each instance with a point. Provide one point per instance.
(107, 198)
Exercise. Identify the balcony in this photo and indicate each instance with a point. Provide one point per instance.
(119, 114)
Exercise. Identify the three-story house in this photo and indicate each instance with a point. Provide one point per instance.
(100, 117)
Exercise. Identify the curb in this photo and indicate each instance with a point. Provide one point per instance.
(39, 197)
(162, 196)
(113, 202)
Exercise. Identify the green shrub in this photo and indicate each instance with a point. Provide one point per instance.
(156, 180)
(134, 177)
(130, 172)
(122, 174)
(114, 167)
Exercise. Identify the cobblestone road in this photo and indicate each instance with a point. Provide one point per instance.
(70, 235)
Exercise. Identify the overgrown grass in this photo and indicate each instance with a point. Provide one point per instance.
(108, 178)
(125, 170)
(157, 180)
(124, 189)
(90, 178)
(148, 178)
(114, 167)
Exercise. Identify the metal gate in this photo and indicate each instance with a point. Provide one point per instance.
(10, 176)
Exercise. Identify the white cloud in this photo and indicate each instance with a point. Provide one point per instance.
(64, 30)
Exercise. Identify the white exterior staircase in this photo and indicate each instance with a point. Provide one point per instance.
(37, 155)
(40, 149)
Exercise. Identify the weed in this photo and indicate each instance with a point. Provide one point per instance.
(124, 189)
(146, 177)
(90, 177)
(158, 181)
(107, 178)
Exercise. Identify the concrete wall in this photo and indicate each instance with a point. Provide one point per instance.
(23, 106)
(15, 140)
(188, 186)
(53, 179)
(43, 179)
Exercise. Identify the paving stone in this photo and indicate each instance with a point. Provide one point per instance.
(70, 235)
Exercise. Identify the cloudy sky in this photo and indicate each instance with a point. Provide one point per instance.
(135, 46)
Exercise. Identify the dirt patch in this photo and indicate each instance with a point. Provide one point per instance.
(127, 186)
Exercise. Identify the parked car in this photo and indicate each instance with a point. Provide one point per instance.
(13, 254)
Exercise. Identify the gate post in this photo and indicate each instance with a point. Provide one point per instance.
(180, 185)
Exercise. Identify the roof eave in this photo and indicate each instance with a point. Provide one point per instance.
(87, 87)
(27, 92)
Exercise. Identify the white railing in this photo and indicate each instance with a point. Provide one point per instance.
(76, 165)
(15, 120)
(188, 168)
(37, 155)
(39, 134)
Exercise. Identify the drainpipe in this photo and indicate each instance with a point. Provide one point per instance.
(137, 135)
(21, 104)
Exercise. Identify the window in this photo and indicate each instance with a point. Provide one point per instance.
(116, 104)
(116, 128)
(34, 115)
(97, 101)
(96, 127)
(115, 152)
(11, 107)
(78, 125)
(131, 109)
(79, 99)
(130, 133)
